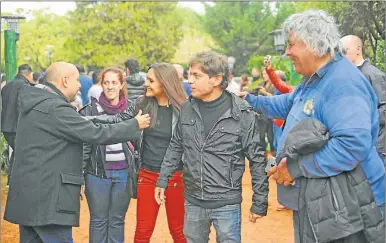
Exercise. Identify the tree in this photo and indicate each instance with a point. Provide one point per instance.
(107, 33)
(195, 38)
(241, 29)
(44, 29)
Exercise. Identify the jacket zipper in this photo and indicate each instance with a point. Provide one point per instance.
(335, 201)
(96, 163)
(202, 151)
(312, 227)
(230, 172)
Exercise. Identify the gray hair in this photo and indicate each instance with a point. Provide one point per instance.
(212, 64)
(317, 30)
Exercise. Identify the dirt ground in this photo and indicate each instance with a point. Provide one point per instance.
(275, 228)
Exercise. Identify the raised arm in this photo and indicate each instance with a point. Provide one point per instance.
(280, 85)
(277, 106)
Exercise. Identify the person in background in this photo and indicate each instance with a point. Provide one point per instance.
(277, 78)
(186, 76)
(96, 89)
(265, 88)
(255, 74)
(244, 82)
(36, 77)
(232, 85)
(85, 84)
(354, 52)
(180, 71)
(90, 74)
(3, 80)
(135, 82)
(11, 109)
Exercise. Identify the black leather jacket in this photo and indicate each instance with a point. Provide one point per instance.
(214, 165)
(93, 155)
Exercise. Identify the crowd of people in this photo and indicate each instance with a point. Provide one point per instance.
(180, 138)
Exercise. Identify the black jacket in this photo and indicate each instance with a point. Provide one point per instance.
(47, 172)
(10, 112)
(94, 155)
(336, 206)
(135, 86)
(377, 79)
(214, 165)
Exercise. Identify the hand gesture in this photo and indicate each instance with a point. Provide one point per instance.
(143, 120)
(267, 61)
(253, 217)
(280, 174)
(82, 192)
(242, 94)
(262, 91)
(159, 195)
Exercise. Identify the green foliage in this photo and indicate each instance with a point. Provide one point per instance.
(241, 29)
(3, 153)
(279, 63)
(43, 30)
(107, 33)
(195, 38)
(381, 56)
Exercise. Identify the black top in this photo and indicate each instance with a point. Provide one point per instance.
(212, 111)
(156, 140)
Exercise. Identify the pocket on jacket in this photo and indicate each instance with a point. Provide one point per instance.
(69, 193)
(187, 127)
(226, 138)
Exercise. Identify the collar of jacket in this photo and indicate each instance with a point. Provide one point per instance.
(56, 90)
(20, 76)
(238, 105)
(365, 63)
(323, 70)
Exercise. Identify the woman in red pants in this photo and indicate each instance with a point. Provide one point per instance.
(163, 98)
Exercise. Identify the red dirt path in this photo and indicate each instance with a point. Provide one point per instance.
(275, 228)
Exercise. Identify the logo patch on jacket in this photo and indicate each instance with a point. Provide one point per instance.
(309, 106)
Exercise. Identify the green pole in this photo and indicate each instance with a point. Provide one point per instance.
(10, 54)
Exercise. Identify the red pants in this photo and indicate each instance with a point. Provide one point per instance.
(147, 207)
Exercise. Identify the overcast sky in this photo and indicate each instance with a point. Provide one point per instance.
(62, 7)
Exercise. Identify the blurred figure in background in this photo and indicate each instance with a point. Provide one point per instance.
(96, 89)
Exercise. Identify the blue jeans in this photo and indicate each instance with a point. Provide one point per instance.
(46, 234)
(226, 221)
(108, 200)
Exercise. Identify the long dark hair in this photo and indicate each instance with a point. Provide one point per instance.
(167, 75)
